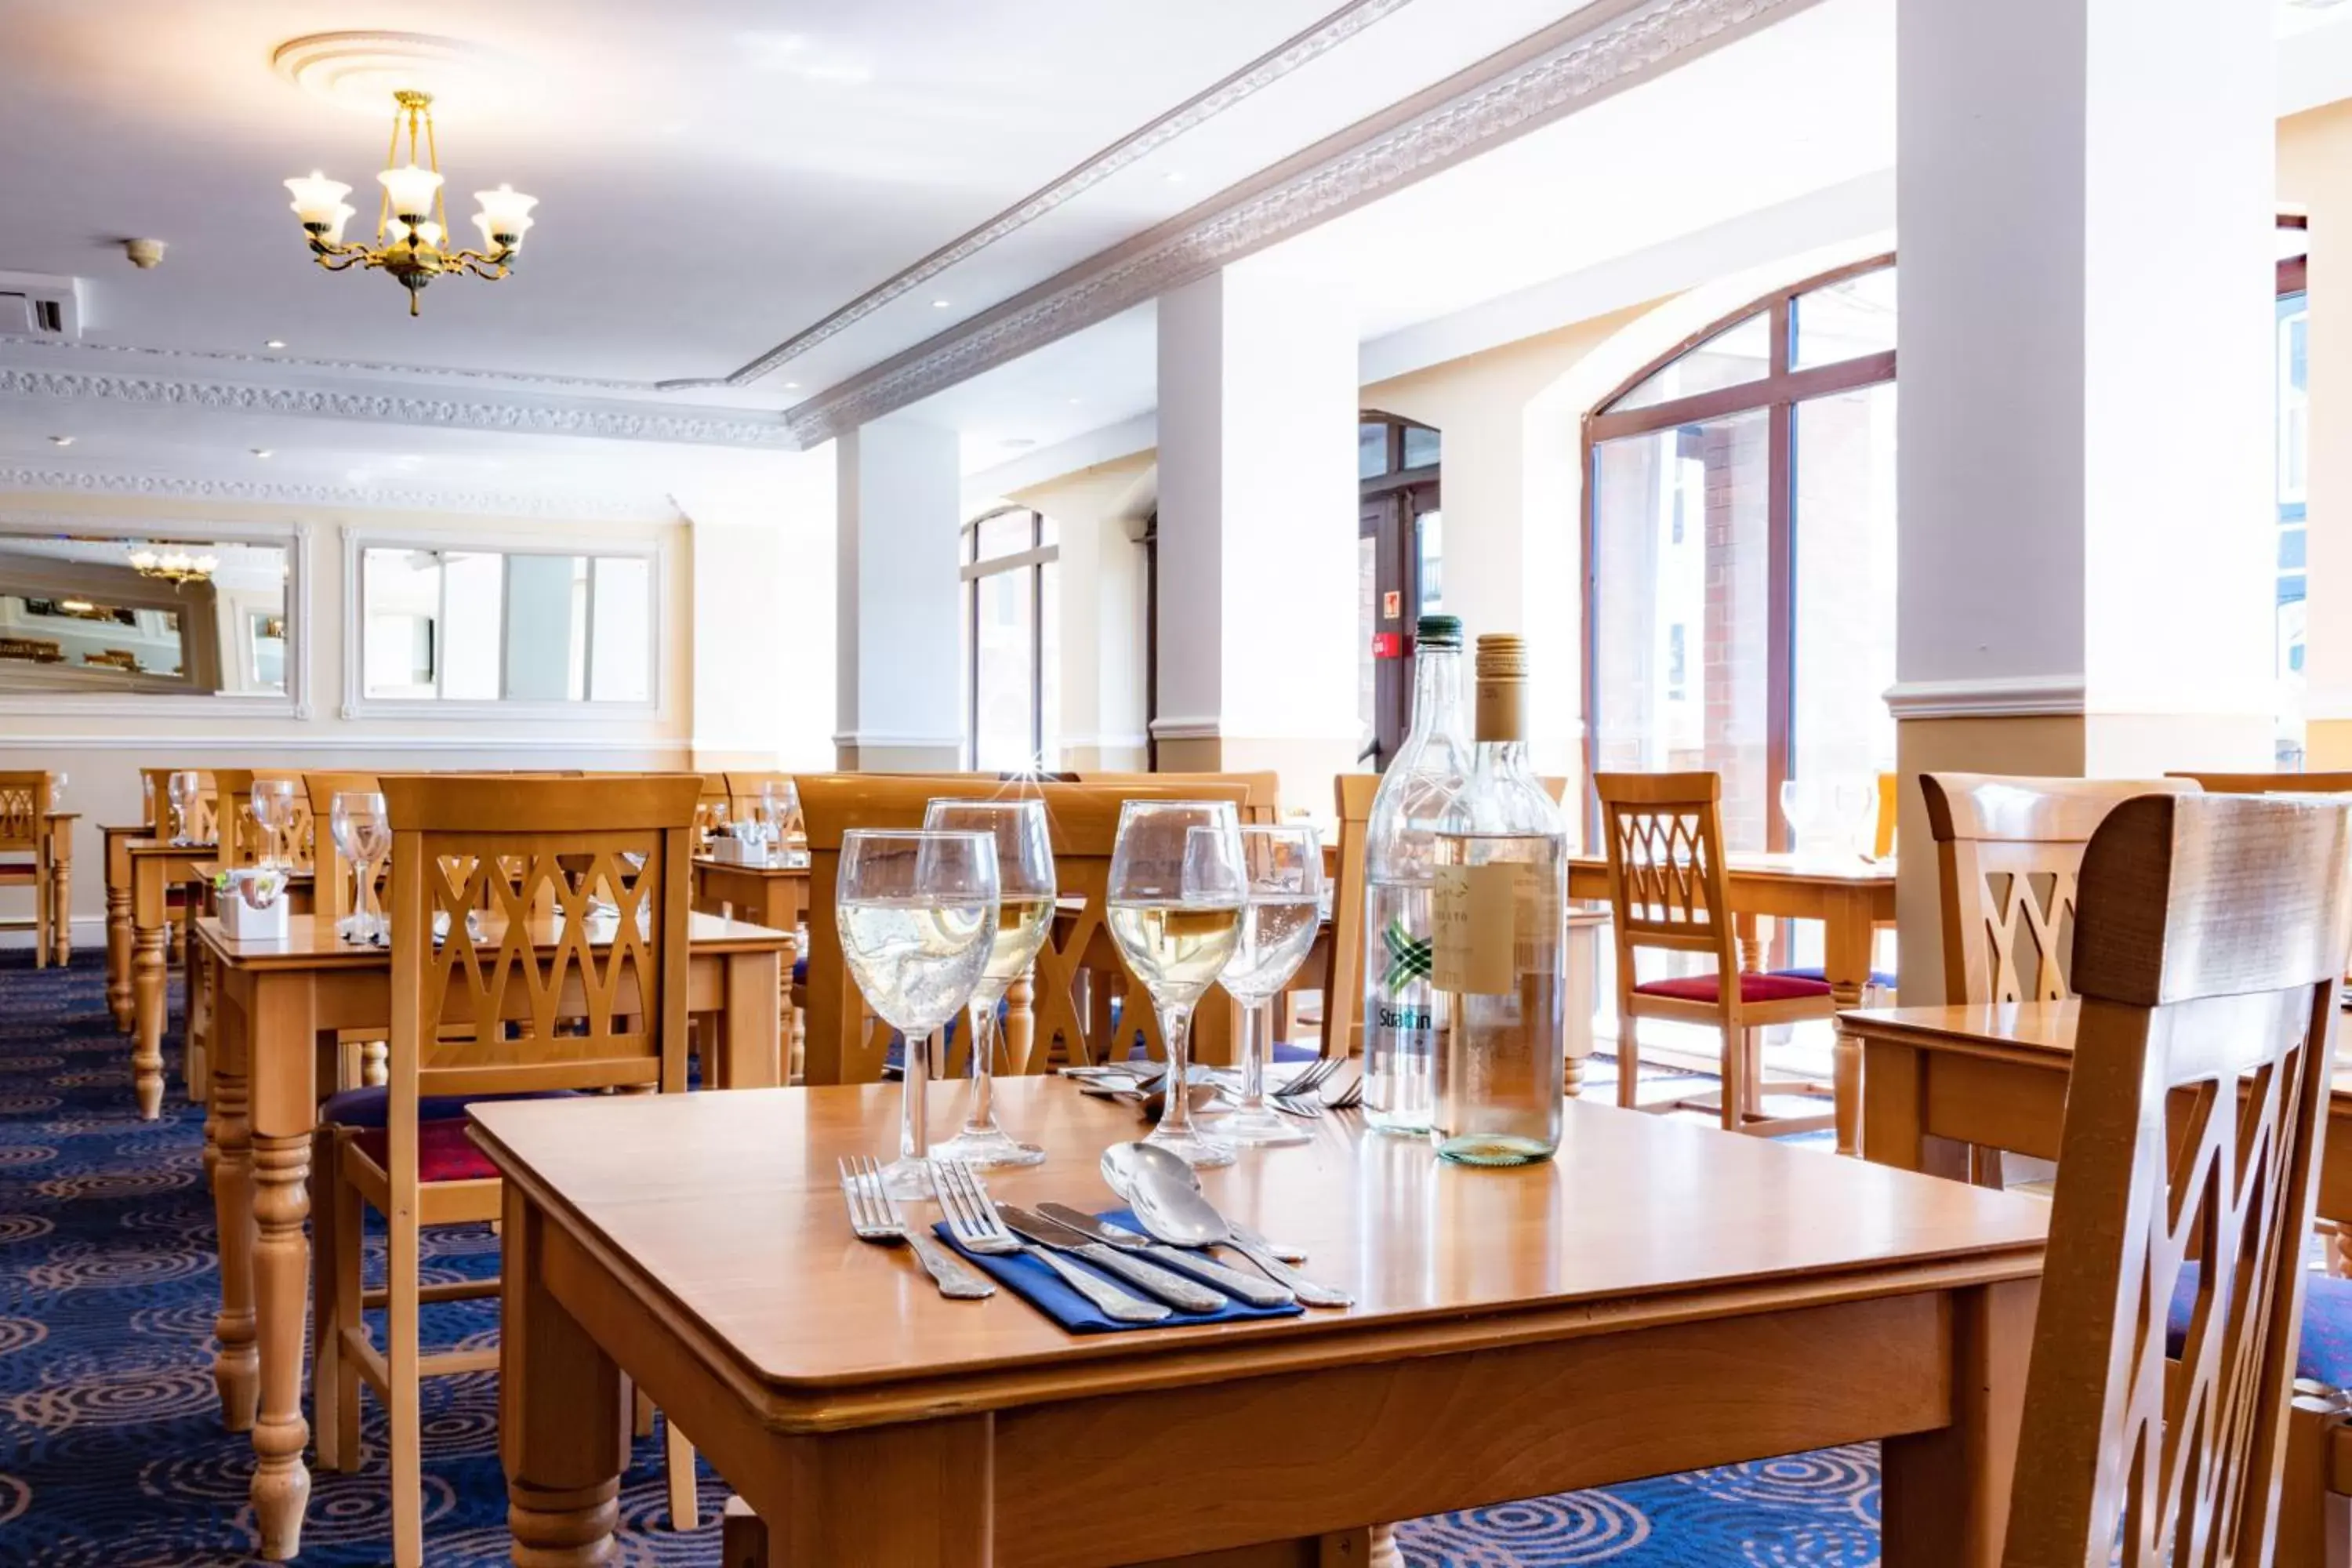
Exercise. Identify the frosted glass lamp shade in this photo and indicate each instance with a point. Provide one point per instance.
(428, 234)
(410, 188)
(316, 197)
(343, 214)
(504, 211)
(514, 228)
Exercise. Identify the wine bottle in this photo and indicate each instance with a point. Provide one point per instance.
(1404, 1032)
(1500, 959)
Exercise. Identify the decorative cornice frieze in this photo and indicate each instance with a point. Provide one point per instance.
(599, 507)
(126, 353)
(1264, 71)
(1491, 103)
(514, 415)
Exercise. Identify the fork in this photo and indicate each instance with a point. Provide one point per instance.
(875, 1215)
(1312, 1076)
(973, 1221)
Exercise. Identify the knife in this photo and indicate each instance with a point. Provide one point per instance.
(1254, 1289)
(1149, 1278)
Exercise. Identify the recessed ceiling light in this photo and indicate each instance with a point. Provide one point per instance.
(792, 386)
(262, 452)
(1174, 176)
(61, 440)
(1075, 401)
(1015, 443)
(938, 304)
(275, 343)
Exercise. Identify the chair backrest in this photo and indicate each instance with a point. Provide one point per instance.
(24, 803)
(330, 874)
(242, 840)
(552, 993)
(1083, 819)
(1664, 836)
(1261, 802)
(2210, 935)
(155, 787)
(2270, 783)
(2008, 851)
(713, 800)
(1881, 838)
(1343, 971)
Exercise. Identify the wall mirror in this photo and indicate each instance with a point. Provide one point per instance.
(506, 625)
(167, 615)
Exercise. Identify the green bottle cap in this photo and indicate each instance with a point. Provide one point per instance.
(1445, 631)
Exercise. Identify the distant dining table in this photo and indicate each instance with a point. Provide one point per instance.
(150, 868)
(55, 892)
(274, 1001)
(1733, 1299)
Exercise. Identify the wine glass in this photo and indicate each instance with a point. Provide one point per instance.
(363, 832)
(714, 823)
(273, 808)
(780, 799)
(58, 778)
(1282, 869)
(917, 917)
(1025, 914)
(180, 789)
(1175, 908)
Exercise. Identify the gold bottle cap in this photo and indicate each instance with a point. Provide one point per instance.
(1502, 656)
(1501, 687)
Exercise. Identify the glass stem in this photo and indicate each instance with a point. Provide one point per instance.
(1176, 1031)
(981, 1116)
(1258, 1045)
(914, 1124)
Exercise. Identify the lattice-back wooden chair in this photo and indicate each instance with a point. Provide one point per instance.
(2269, 783)
(25, 851)
(2008, 854)
(243, 841)
(1078, 973)
(1668, 893)
(523, 1002)
(2210, 936)
(1261, 802)
(154, 787)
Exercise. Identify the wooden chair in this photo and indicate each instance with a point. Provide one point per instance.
(2210, 936)
(1077, 971)
(24, 831)
(2008, 854)
(526, 1008)
(2269, 783)
(242, 840)
(1882, 835)
(1667, 892)
(1261, 802)
(202, 828)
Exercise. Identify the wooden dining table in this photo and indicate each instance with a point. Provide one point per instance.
(150, 867)
(1733, 1299)
(273, 1000)
(53, 892)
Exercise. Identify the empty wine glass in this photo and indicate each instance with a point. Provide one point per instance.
(1025, 914)
(364, 833)
(916, 912)
(1282, 866)
(180, 789)
(58, 778)
(1175, 908)
(273, 809)
(714, 822)
(779, 808)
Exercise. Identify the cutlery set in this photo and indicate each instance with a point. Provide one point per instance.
(1315, 1090)
(1129, 1278)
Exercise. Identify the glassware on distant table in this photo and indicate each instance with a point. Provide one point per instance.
(362, 831)
(918, 918)
(1830, 815)
(1175, 908)
(779, 808)
(714, 822)
(273, 809)
(58, 778)
(1024, 916)
(1282, 866)
(180, 790)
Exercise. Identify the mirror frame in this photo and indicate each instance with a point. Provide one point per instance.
(357, 704)
(294, 538)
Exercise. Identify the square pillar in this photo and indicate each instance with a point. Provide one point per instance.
(898, 677)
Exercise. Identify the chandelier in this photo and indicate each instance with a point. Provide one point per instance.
(412, 223)
(174, 566)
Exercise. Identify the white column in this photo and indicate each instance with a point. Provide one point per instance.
(1257, 528)
(899, 705)
(763, 615)
(2085, 208)
(2316, 171)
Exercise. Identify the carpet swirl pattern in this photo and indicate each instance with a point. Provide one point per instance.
(111, 1453)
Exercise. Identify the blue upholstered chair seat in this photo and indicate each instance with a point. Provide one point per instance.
(1878, 976)
(2323, 1354)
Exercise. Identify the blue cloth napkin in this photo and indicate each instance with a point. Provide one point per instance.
(1044, 1289)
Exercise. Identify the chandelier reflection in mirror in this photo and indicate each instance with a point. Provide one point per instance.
(411, 225)
(173, 565)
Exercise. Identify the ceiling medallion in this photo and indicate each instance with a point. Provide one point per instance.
(412, 218)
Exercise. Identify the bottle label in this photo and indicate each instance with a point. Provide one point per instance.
(1476, 919)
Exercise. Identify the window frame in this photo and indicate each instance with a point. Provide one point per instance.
(972, 571)
(358, 704)
(1777, 394)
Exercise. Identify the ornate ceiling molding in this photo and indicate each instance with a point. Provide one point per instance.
(128, 353)
(517, 416)
(598, 507)
(1599, 50)
(1264, 71)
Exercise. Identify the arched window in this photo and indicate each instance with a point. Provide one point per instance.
(1739, 551)
(1399, 552)
(1012, 641)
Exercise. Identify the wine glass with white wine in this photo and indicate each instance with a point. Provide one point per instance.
(1024, 915)
(918, 918)
(1282, 864)
(1175, 908)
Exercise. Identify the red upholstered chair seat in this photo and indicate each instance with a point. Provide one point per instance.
(1752, 988)
(444, 1153)
(19, 870)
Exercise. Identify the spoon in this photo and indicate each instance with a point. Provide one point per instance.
(1123, 1168)
(1179, 1215)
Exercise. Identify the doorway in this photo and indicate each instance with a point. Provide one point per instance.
(1400, 556)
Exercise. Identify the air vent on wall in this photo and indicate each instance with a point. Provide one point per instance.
(37, 305)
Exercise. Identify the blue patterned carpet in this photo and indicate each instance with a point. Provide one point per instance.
(112, 1453)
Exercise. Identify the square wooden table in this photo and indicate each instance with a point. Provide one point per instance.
(273, 1002)
(1661, 1296)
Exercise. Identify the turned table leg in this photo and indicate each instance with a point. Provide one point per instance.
(118, 959)
(228, 1150)
(281, 1276)
(147, 1048)
(61, 911)
(562, 1421)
